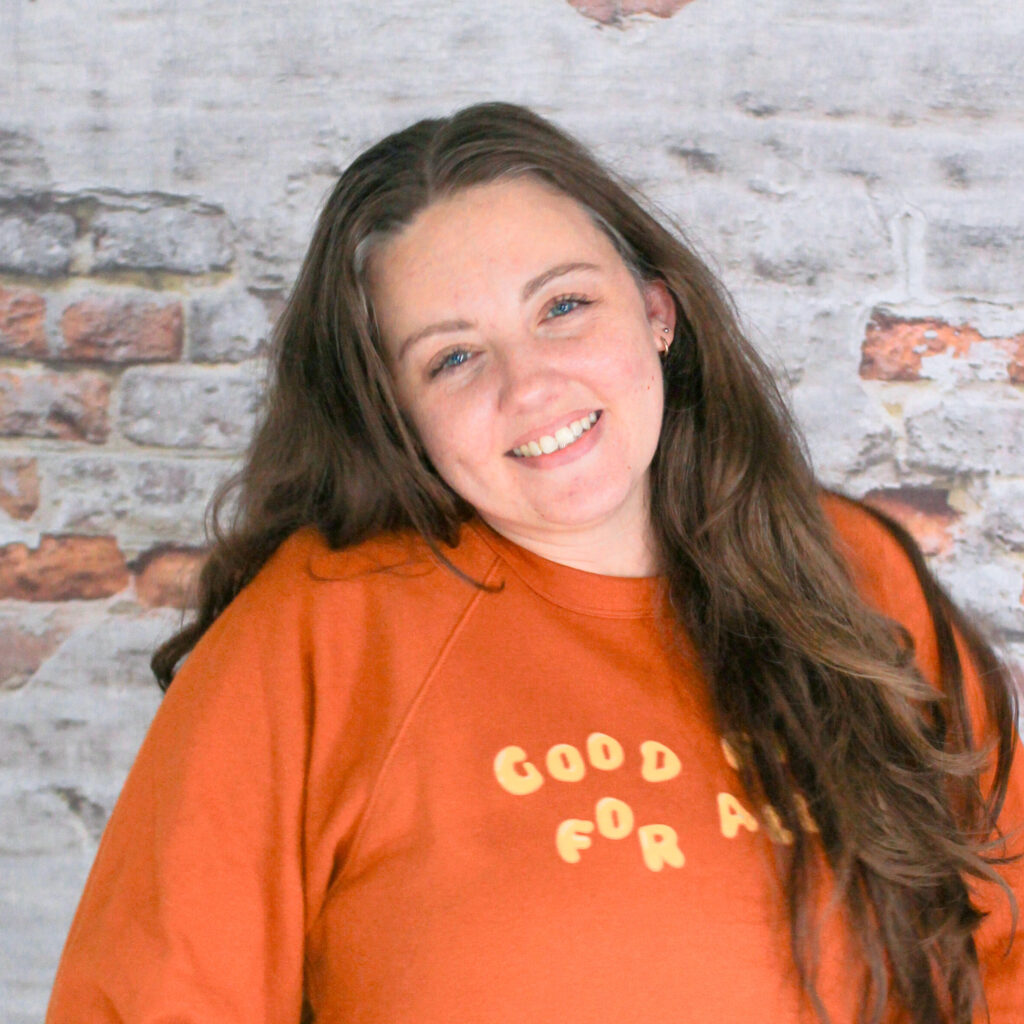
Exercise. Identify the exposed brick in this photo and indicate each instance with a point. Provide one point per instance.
(896, 348)
(189, 406)
(22, 652)
(611, 11)
(22, 323)
(169, 238)
(63, 569)
(166, 576)
(924, 511)
(19, 487)
(226, 326)
(1015, 365)
(49, 404)
(35, 243)
(118, 330)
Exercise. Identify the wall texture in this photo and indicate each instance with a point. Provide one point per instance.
(852, 167)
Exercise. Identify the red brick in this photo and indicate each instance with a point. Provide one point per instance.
(19, 487)
(22, 323)
(894, 348)
(63, 569)
(21, 653)
(1015, 367)
(610, 11)
(50, 404)
(165, 576)
(118, 330)
(924, 511)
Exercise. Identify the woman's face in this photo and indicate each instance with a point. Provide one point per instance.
(526, 355)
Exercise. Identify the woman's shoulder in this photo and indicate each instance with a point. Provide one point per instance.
(306, 556)
(306, 572)
(887, 568)
(877, 552)
(309, 597)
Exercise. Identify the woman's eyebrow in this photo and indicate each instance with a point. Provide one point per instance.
(529, 289)
(442, 327)
(542, 279)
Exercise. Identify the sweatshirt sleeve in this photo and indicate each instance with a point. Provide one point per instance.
(1000, 938)
(193, 910)
(887, 578)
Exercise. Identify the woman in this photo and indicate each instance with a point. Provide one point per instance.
(536, 679)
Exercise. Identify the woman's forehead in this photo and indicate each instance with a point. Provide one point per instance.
(513, 227)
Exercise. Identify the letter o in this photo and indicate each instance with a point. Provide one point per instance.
(614, 818)
(604, 751)
(565, 763)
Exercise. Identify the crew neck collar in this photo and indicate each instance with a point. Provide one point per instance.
(576, 589)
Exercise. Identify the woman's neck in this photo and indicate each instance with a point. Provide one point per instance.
(608, 548)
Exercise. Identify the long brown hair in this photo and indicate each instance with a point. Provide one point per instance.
(794, 658)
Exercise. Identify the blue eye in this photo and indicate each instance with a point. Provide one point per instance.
(447, 362)
(566, 304)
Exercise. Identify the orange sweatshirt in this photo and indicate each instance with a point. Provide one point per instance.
(422, 802)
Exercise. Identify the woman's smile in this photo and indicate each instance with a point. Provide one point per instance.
(560, 438)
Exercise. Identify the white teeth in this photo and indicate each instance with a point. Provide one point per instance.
(562, 438)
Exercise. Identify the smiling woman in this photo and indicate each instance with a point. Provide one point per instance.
(536, 324)
(535, 677)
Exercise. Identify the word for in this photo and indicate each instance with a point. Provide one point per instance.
(613, 818)
(565, 763)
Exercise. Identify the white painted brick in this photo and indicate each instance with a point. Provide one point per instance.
(983, 431)
(35, 243)
(68, 740)
(988, 590)
(980, 257)
(1004, 513)
(190, 406)
(164, 238)
(142, 501)
(226, 325)
(22, 167)
(846, 430)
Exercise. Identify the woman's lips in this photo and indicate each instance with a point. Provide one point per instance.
(584, 418)
(575, 450)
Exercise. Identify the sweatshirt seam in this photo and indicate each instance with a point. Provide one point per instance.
(367, 815)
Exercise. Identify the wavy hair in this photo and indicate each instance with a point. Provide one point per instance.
(795, 660)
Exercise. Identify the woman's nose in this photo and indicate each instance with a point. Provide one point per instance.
(530, 374)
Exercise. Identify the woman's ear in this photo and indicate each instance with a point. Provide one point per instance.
(661, 312)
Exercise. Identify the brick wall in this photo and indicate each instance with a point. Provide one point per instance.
(852, 167)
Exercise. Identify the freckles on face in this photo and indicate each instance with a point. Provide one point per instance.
(507, 318)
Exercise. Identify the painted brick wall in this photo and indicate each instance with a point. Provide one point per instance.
(852, 167)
